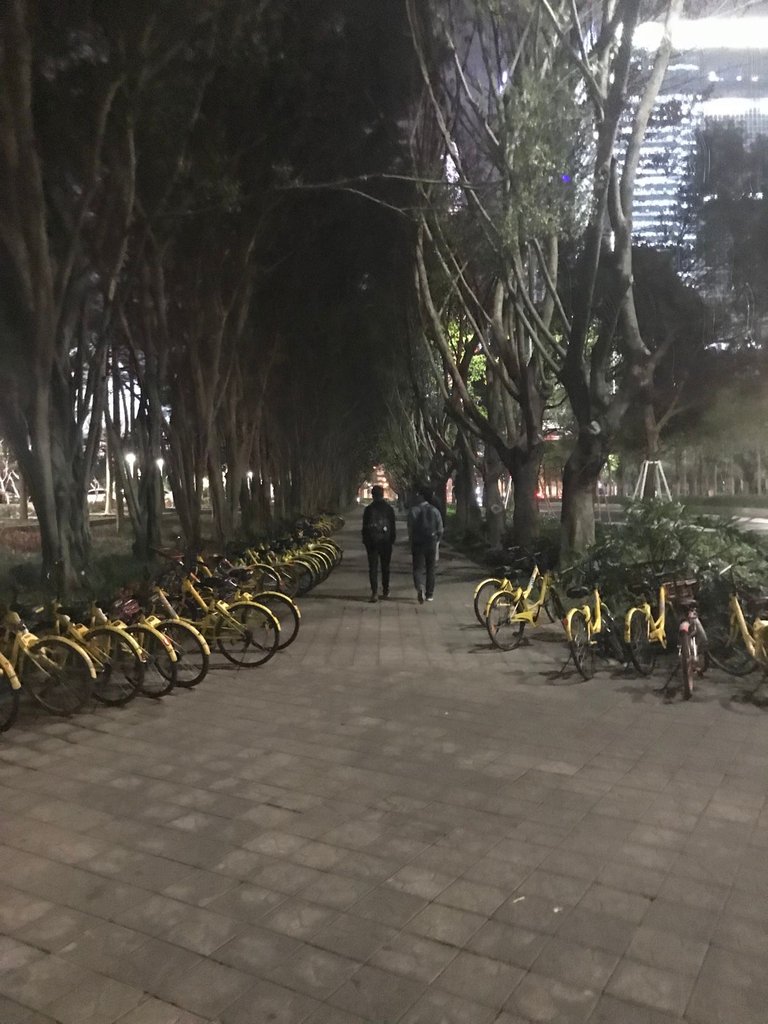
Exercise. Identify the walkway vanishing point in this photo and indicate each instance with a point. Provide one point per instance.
(391, 822)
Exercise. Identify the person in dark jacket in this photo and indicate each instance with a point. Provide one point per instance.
(379, 534)
(425, 528)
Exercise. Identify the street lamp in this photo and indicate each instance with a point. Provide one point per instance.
(130, 458)
(160, 463)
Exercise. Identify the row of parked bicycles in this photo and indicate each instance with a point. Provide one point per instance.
(149, 639)
(663, 617)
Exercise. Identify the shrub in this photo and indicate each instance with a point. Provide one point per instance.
(666, 538)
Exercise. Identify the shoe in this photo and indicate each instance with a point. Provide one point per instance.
(420, 597)
(430, 599)
(372, 599)
(385, 595)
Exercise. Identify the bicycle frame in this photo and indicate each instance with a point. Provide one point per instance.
(530, 612)
(594, 619)
(755, 638)
(24, 639)
(657, 631)
(99, 618)
(9, 672)
(211, 610)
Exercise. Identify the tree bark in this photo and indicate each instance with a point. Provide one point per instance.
(579, 485)
(525, 481)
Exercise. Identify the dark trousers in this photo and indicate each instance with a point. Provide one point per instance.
(379, 553)
(424, 559)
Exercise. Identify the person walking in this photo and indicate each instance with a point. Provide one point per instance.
(425, 528)
(379, 532)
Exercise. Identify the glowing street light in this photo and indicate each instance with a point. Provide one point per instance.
(160, 463)
(130, 458)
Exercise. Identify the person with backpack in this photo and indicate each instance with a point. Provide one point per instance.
(378, 537)
(425, 528)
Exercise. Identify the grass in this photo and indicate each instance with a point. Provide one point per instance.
(730, 501)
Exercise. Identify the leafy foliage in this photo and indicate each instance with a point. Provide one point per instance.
(661, 539)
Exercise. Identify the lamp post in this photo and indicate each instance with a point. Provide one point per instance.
(130, 458)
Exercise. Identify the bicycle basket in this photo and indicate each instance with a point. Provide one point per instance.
(682, 591)
(127, 609)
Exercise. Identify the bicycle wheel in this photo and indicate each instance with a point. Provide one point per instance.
(504, 629)
(58, 674)
(119, 665)
(160, 660)
(286, 613)
(483, 593)
(687, 663)
(307, 578)
(192, 652)
(728, 651)
(9, 695)
(579, 642)
(290, 578)
(248, 635)
(641, 650)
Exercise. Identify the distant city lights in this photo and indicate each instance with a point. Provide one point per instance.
(707, 34)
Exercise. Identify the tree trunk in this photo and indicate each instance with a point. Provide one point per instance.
(467, 511)
(525, 481)
(577, 518)
(24, 500)
(494, 506)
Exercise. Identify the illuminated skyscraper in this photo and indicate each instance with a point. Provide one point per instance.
(719, 72)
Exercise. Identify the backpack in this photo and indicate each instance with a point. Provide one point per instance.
(423, 528)
(377, 528)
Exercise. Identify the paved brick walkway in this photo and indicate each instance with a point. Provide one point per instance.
(391, 822)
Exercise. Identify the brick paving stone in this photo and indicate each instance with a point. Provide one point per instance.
(203, 930)
(668, 950)
(413, 956)
(538, 998)
(99, 1001)
(480, 979)
(316, 972)
(153, 965)
(377, 995)
(327, 1014)
(596, 930)
(352, 936)
(436, 1007)
(616, 903)
(388, 822)
(578, 965)
(651, 986)
(610, 1010)
(445, 924)
(154, 1011)
(13, 1012)
(513, 945)
(207, 989)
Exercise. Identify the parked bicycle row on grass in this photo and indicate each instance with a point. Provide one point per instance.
(735, 638)
(243, 605)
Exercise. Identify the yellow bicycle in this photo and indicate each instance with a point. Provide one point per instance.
(56, 671)
(510, 611)
(9, 694)
(246, 633)
(592, 630)
(116, 655)
(741, 646)
(645, 632)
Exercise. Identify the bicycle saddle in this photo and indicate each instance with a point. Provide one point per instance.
(238, 575)
(220, 583)
(577, 592)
